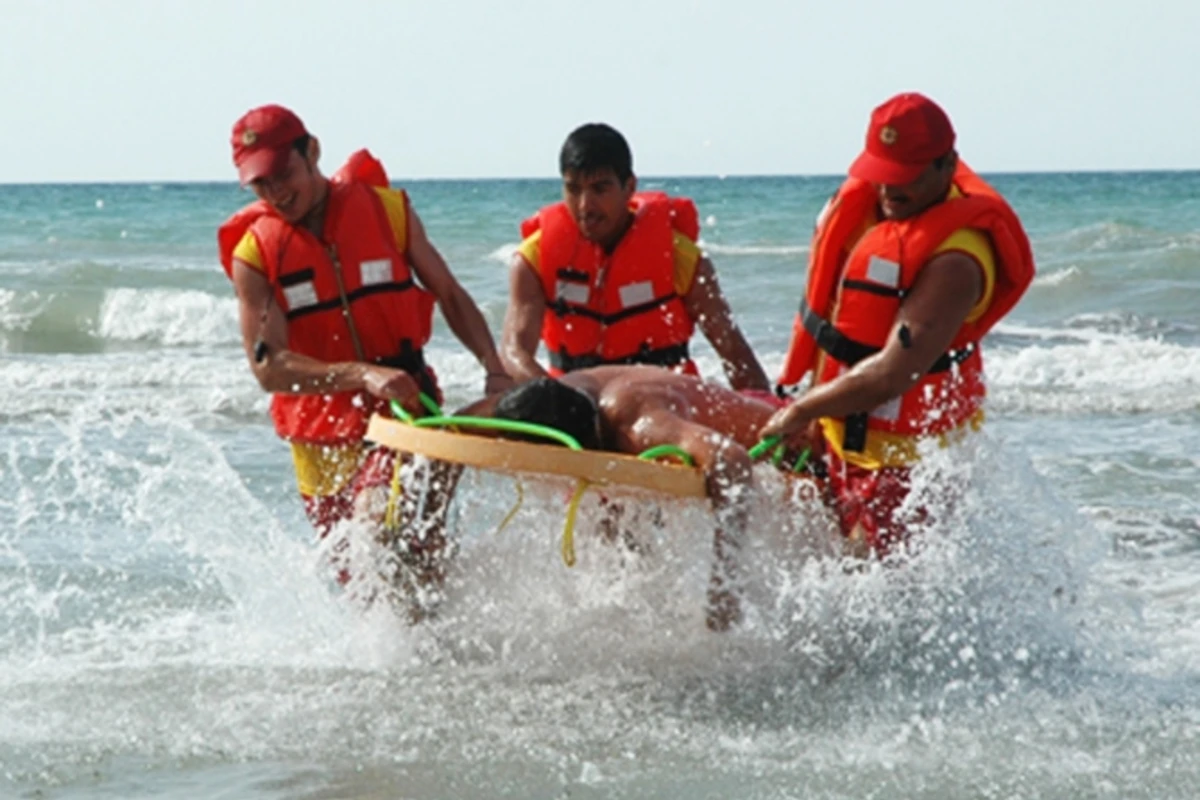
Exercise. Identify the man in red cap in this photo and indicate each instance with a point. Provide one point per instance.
(336, 283)
(913, 260)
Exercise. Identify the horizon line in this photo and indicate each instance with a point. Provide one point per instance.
(686, 176)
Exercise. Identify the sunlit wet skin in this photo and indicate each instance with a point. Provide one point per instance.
(626, 396)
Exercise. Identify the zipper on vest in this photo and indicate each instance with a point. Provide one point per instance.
(331, 251)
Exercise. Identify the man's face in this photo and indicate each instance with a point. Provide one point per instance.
(909, 199)
(293, 190)
(599, 203)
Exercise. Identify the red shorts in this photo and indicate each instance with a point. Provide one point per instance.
(867, 502)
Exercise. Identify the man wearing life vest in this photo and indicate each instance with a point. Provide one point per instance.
(913, 260)
(336, 283)
(613, 276)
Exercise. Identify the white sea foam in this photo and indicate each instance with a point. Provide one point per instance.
(782, 250)
(1058, 277)
(1100, 373)
(504, 252)
(168, 317)
(17, 312)
(184, 386)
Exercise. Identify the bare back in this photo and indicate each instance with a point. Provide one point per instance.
(640, 404)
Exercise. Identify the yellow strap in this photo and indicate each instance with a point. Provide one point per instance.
(389, 518)
(568, 538)
(516, 507)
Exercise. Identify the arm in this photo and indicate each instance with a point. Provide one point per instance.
(523, 321)
(281, 370)
(934, 310)
(457, 307)
(707, 306)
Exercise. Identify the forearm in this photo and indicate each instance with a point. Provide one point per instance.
(520, 362)
(468, 325)
(741, 365)
(866, 386)
(289, 372)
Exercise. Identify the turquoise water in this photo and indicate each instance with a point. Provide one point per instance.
(168, 629)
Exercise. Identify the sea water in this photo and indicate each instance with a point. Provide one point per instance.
(169, 627)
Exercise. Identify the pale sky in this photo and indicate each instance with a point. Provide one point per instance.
(134, 90)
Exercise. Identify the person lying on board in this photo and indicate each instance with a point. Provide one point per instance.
(630, 409)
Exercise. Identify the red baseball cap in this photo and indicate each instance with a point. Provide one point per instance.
(262, 139)
(906, 134)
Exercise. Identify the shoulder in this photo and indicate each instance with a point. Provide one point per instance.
(977, 245)
(687, 255)
(972, 242)
(529, 249)
(247, 251)
(395, 205)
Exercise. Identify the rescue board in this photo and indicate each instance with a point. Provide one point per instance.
(506, 455)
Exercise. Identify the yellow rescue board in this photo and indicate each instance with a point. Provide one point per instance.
(509, 456)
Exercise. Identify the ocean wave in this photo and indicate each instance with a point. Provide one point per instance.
(1112, 237)
(503, 253)
(755, 249)
(1059, 277)
(155, 385)
(167, 317)
(1103, 374)
(17, 312)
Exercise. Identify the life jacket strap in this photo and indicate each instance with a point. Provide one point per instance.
(670, 356)
(850, 352)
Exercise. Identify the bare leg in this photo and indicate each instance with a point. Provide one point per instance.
(729, 481)
(724, 584)
(419, 541)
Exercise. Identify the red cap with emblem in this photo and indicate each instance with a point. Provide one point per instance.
(262, 139)
(906, 134)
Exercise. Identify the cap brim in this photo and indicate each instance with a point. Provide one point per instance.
(263, 164)
(873, 169)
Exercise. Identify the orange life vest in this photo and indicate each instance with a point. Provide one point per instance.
(392, 315)
(851, 300)
(618, 308)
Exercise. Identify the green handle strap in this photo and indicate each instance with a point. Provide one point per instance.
(760, 449)
(402, 414)
(668, 451)
(438, 420)
(431, 406)
(774, 445)
(511, 425)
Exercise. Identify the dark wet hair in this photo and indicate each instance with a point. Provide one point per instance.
(596, 146)
(300, 143)
(545, 401)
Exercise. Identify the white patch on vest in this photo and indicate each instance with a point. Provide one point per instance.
(575, 293)
(635, 294)
(377, 271)
(889, 411)
(300, 295)
(880, 270)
